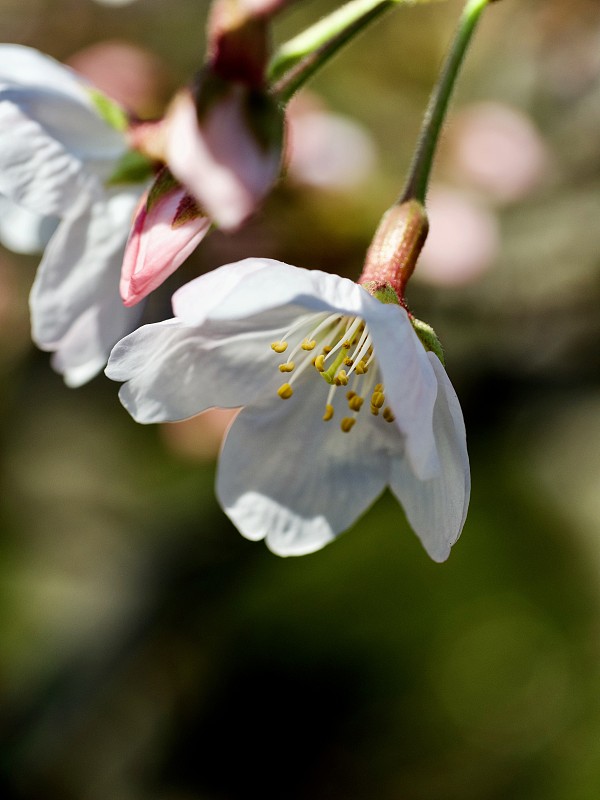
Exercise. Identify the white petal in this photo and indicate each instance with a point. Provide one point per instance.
(23, 231)
(58, 99)
(173, 371)
(409, 382)
(288, 476)
(83, 350)
(36, 170)
(437, 508)
(81, 265)
(253, 286)
(26, 67)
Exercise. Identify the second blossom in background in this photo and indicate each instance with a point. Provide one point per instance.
(60, 143)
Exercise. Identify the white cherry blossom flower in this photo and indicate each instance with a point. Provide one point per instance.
(338, 398)
(58, 150)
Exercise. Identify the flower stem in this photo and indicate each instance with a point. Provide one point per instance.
(299, 58)
(420, 169)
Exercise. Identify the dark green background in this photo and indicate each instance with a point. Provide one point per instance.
(148, 652)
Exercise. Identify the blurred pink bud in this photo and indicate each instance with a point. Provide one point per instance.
(497, 149)
(326, 150)
(135, 78)
(167, 228)
(463, 239)
(227, 152)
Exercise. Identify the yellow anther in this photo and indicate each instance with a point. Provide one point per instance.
(388, 414)
(377, 398)
(285, 391)
(378, 387)
(287, 367)
(374, 410)
(347, 424)
(348, 362)
(327, 349)
(320, 363)
(341, 379)
(308, 345)
(328, 413)
(350, 394)
(355, 403)
(361, 368)
(347, 345)
(279, 347)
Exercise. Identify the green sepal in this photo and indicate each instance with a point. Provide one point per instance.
(428, 338)
(163, 184)
(132, 167)
(111, 112)
(383, 292)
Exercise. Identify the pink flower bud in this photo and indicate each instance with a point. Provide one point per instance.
(167, 228)
(228, 151)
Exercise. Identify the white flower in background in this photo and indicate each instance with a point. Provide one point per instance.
(339, 400)
(60, 142)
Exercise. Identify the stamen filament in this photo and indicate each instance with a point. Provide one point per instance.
(346, 342)
(358, 356)
(306, 363)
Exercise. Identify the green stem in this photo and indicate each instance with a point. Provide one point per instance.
(420, 169)
(297, 60)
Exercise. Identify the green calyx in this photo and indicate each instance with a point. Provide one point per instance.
(132, 167)
(428, 338)
(163, 184)
(111, 112)
(383, 292)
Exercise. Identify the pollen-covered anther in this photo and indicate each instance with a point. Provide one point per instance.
(328, 413)
(350, 394)
(347, 424)
(388, 414)
(348, 362)
(320, 363)
(355, 403)
(309, 345)
(341, 379)
(279, 347)
(374, 410)
(285, 391)
(378, 397)
(360, 368)
(327, 349)
(287, 367)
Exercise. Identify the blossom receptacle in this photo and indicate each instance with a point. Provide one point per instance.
(168, 227)
(238, 39)
(393, 253)
(324, 372)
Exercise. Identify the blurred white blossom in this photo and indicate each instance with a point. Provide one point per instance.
(60, 143)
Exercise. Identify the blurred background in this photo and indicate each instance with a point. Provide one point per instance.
(147, 651)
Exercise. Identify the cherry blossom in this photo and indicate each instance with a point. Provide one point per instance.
(61, 142)
(339, 399)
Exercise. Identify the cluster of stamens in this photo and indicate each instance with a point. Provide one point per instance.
(340, 349)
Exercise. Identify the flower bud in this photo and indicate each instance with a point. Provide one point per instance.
(167, 228)
(226, 147)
